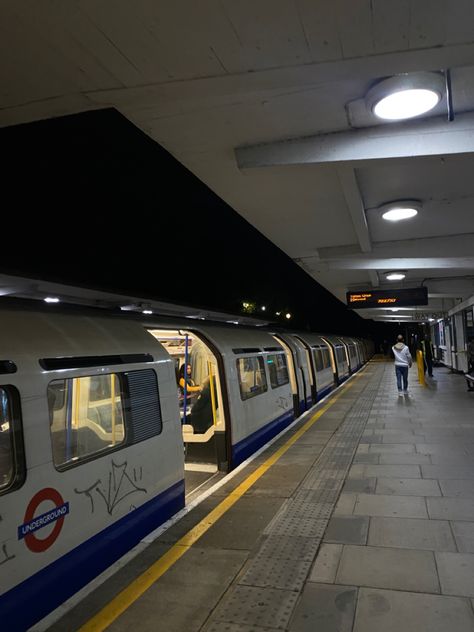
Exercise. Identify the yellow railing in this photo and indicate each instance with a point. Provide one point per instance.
(213, 394)
(421, 367)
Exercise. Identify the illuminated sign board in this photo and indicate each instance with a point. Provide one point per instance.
(406, 297)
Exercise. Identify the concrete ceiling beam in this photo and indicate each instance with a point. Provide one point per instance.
(432, 137)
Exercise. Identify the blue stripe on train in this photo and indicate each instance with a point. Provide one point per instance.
(249, 445)
(38, 595)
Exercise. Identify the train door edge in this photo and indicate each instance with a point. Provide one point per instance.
(311, 368)
(332, 352)
(292, 363)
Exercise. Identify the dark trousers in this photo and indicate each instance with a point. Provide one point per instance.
(429, 365)
(402, 373)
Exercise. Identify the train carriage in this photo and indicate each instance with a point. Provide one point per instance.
(99, 441)
(91, 452)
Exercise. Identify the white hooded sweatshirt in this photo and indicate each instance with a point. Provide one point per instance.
(402, 354)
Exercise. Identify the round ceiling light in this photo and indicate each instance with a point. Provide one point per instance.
(396, 214)
(396, 211)
(395, 276)
(405, 96)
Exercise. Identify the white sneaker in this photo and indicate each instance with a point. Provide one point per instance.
(405, 392)
(400, 394)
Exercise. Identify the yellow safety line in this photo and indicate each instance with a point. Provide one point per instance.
(142, 583)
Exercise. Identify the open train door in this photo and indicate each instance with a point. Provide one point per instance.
(200, 404)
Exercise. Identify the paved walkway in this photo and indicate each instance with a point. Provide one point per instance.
(365, 524)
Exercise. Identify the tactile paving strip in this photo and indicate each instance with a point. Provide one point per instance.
(283, 561)
(302, 525)
(257, 606)
(277, 573)
(320, 495)
(286, 547)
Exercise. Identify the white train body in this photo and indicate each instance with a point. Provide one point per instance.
(94, 510)
(91, 425)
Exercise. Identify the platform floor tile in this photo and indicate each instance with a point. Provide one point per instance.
(326, 608)
(380, 567)
(408, 533)
(326, 564)
(390, 506)
(456, 573)
(392, 611)
(464, 536)
(347, 530)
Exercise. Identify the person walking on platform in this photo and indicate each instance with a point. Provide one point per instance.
(427, 349)
(403, 362)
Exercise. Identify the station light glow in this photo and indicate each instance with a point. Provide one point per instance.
(397, 213)
(51, 299)
(406, 104)
(395, 276)
(406, 95)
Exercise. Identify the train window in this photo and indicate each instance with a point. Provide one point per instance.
(278, 369)
(319, 359)
(86, 416)
(12, 467)
(340, 354)
(100, 388)
(252, 380)
(326, 358)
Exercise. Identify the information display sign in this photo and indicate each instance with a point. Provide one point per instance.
(405, 297)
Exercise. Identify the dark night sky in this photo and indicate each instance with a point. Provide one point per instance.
(107, 207)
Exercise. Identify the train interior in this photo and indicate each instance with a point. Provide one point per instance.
(200, 405)
(6, 458)
(86, 416)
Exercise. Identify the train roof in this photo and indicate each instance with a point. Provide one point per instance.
(42, 333)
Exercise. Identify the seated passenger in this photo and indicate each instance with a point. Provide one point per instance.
(191, 387)
(201, 413)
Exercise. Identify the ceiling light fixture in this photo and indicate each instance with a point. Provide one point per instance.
(400, 209)
(405, 96)
(395, 276)
(51, 299)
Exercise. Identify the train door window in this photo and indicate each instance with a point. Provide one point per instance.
(326, 358)
(12, 469)
(469, 323)
(340, 355)
(252, 379)
(290, 364)
(278, 369)
(86, 416)
(319, 359)
(309, 365)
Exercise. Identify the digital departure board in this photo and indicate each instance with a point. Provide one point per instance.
(405, 297)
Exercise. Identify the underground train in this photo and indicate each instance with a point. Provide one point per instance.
(97, 436)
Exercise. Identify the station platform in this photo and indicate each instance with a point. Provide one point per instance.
(359, 518)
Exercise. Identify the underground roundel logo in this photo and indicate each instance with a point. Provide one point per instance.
(34, 521)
